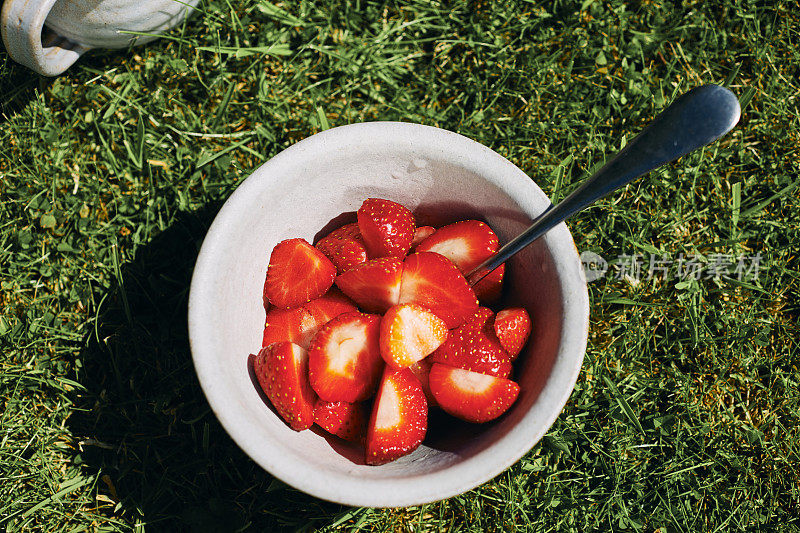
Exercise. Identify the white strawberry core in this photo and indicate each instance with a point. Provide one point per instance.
(308, 328)
(417, 334)
(471, 382)
(389, 407)
(456, 250)
(344, 346)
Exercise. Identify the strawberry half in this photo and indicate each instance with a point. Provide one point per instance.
(300, 324)
(282, 372)
(469, 395)
(386, 227)
(328, 306)
(410, 333)
(265, 298)
(297, 273)
(292, 325)
(474, 346)
(468, 244)
(344, 247)
(344, 360)
(422, 233)
(430, 280)
(512, 327)
(374, 285)
(399, 418)
(345, 420)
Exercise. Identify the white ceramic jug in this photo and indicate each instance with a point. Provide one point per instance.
(75, 26)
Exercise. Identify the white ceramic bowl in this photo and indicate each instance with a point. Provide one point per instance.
(442, 177)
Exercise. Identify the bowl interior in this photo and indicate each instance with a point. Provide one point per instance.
(441, 179)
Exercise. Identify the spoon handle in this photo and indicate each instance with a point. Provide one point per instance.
(696, 119)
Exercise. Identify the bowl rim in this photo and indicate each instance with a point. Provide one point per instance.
(455, 479)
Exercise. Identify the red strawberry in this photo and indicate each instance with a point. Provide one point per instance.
(345, 420)
(344, 361)
(297, 273)
(512, 327)
(332, 304)
(265, 298)
(490, 289)
(467, 243)
(430, 280)
(410, 333)
(471, 396)
(399, 418)
(290, 325)
(344, 247)
(421, 369)
(474, 346)
(374, 285)
(300, 324)
(282, 372)
(421, 233)
(386, 227)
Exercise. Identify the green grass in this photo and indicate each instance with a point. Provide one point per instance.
(686, 414)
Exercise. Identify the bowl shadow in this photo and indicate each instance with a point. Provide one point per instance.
(18, 86)
(143, 425)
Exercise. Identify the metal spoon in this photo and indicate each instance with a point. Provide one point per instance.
(694, 120)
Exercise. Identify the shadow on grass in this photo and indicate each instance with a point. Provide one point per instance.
(144, 424)
(18, 86)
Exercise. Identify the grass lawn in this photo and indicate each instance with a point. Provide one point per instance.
(686, 415)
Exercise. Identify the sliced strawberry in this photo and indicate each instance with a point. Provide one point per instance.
(512, 327)
(374, 285)
(430, 280)
(282, 372)
(410, 333)
(474, 346)
(421, 233)
(344, 247)
(328, 306)
(490, 289)
(343, 419)
(297, 273)
(344, 361)
(386, 227)
(291, 325)
(300, 324)
(467, 243)
(265, 298)
(469, 395)
(421, 369)
(399, 418)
